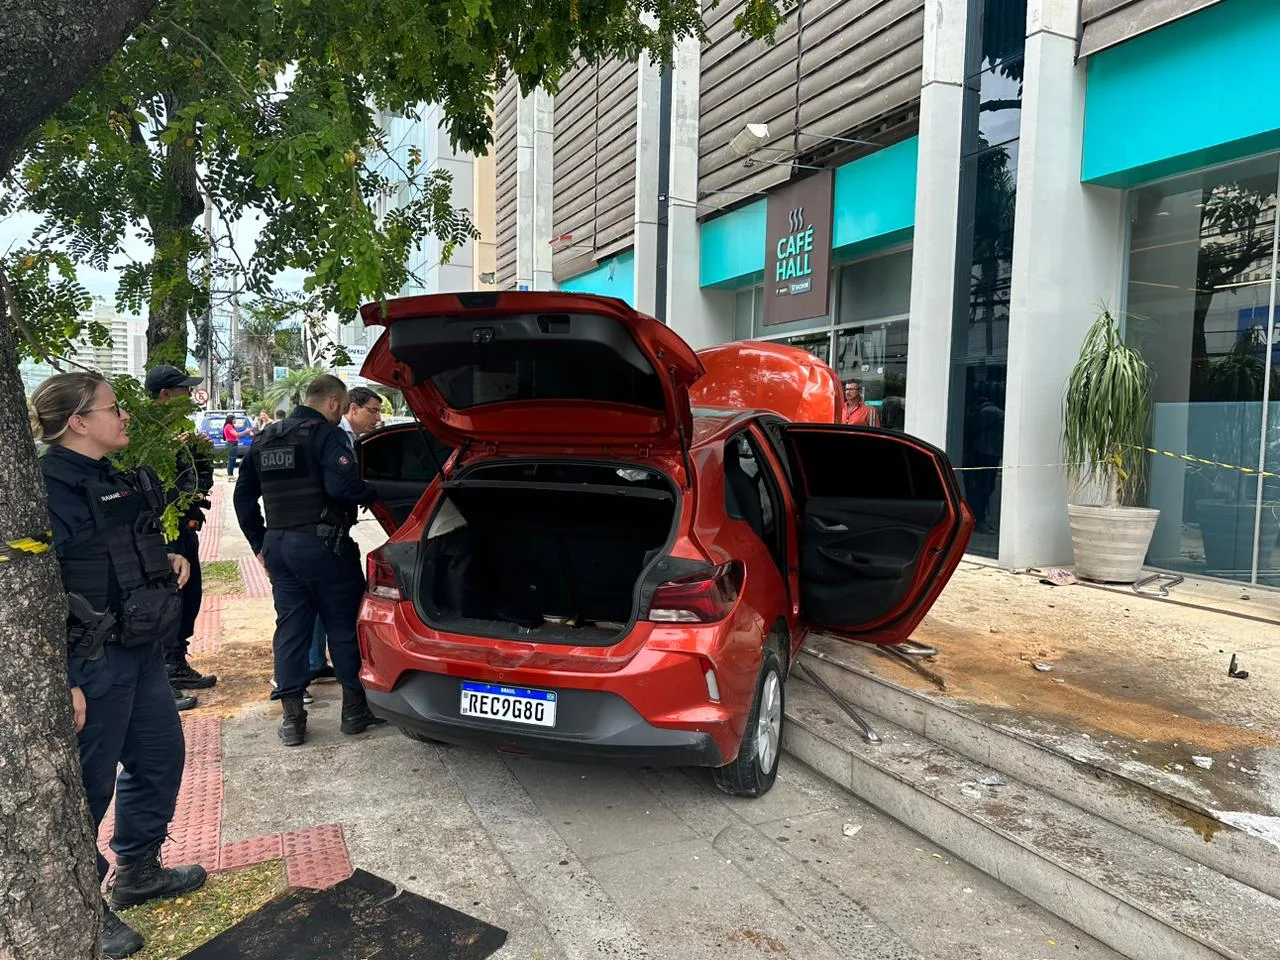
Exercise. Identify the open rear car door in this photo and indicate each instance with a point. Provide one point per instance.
(882, 527)
(402, 461)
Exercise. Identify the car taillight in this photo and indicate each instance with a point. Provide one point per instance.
(698, 598)
(381, 578)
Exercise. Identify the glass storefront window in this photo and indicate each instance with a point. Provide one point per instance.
(876, 356)
(1201, 257)
(875, 288)
(866, 336)
(984, 256)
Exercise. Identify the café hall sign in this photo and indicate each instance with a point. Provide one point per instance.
(797, 262)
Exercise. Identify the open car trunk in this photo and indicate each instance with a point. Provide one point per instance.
(548, 552)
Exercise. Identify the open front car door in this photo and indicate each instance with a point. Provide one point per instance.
(882, 527)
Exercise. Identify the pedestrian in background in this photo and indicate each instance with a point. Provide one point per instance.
(232, 436)
(123, 590)
(168, 384)
(857, 412)
(304, 471)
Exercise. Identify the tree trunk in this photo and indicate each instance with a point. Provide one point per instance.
(176, 243)
(50, 907)
(48, 50)
(49, 899)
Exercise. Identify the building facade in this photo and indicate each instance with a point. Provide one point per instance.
(939, 198)
(125, 352)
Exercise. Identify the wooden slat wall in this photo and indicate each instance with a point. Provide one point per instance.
(1104, 23)
(594, 164)
(855, 61)
(617, 91)
(505, 182)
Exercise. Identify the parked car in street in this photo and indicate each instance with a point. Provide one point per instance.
(605, 548)
(212, 422)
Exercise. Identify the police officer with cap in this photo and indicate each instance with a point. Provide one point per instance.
(304, 470)
(195, 475)
(122, 586)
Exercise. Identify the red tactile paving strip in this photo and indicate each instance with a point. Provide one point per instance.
(248, 853)
(314, 857)
(256, 581)
(318, 870)
(208, 638)
(211, 535)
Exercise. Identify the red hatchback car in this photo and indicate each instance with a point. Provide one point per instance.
(601, 550)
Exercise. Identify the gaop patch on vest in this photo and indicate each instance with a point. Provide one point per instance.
(283, 458)
(344, 460)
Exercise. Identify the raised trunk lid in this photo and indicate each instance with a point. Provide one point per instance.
(551, 369)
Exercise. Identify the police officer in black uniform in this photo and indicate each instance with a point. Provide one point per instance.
(123, 593)
(195, 476)
(304, 470)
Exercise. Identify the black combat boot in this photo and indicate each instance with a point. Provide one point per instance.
(183, 701)
(119, 940)
(143, 878)
(293, 731)
(356, 716)
(186, 677)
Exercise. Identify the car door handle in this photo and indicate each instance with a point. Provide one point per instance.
(828, 527)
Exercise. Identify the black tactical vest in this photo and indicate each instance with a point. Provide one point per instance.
(292, 476)
(121, 565)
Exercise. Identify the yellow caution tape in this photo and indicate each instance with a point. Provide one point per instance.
(1187, 458)
(25, 546)
(1212, 463)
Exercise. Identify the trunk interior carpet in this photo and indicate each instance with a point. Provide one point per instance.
(363, 916)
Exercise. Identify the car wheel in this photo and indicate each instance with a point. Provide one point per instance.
(756, 767)
(420, 737)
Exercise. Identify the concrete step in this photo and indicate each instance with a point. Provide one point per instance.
(1138, 897)
(1149, 802)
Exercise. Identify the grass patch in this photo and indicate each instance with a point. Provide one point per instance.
(221, 577)
(220, 570)
(173, 928)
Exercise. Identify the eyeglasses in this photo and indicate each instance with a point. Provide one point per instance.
(115, 406)
(377, 409)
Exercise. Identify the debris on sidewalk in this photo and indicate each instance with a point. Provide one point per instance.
(1204, 763)
(995, 780)
(1057, 577)
(851, 829)
(971, 791)
(1042, 667)
(1234, 673)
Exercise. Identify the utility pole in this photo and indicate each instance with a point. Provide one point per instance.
(206, 362)
(233, 349)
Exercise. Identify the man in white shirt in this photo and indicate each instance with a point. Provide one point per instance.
(364, 414)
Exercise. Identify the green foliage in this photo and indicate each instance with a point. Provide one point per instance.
(1107, 413)
(160, 437)
(273, 108)
(49, 301)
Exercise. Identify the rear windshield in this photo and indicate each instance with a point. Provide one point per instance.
(473, 362)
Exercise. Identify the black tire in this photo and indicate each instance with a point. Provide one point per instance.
(754, 771)
(420, 737)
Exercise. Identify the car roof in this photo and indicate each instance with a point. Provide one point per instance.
(712, 425)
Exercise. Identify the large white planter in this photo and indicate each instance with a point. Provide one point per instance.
(1111, 542)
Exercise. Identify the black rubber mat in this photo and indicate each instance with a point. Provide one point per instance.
(361, 917)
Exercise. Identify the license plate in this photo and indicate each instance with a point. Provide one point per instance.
(511, 704)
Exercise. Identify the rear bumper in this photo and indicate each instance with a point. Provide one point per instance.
(591, 725)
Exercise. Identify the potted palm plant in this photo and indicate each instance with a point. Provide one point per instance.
(1107, 420)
